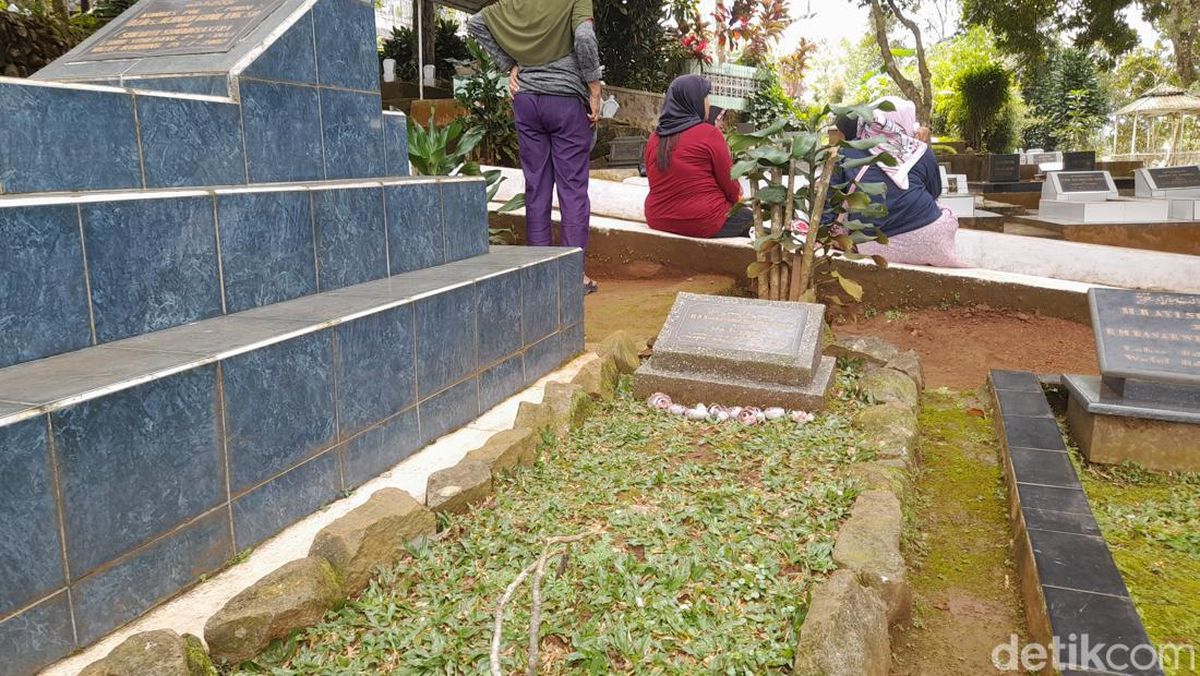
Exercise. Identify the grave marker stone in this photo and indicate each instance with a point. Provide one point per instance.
(1145, 405)
(1084, 160)
(1005, 168)
(1178, 186)
(739, 351)
(175, 27)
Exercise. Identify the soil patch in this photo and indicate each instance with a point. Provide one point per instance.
(640, 306)
(958, 346)
(965, 596)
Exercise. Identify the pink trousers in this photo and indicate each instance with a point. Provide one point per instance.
(930, 245)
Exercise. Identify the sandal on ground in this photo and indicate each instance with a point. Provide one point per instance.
(590, 287)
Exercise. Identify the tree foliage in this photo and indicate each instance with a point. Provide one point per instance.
(984, 92)
(636, 49)
(1068, 104)
(769, 102)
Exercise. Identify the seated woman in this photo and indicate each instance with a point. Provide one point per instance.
(919, 231)
(688, 164)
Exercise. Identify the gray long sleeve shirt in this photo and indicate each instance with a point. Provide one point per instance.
(568, 76)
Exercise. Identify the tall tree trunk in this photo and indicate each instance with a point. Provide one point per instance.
(921, 95)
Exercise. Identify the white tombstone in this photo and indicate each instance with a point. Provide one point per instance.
(1091, 197)
(1047, 162)
(1178, 186)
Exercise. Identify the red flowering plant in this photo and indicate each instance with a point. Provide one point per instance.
(697, 47)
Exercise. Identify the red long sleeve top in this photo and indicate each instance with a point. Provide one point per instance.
(694, 196)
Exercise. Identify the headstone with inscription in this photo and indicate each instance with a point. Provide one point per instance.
(1145, 405)
(1092, 197)
(740, 351)
(1179, 186)
(1004, 168)
(1079, 160)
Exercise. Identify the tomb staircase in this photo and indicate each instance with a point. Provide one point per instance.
(224, 303)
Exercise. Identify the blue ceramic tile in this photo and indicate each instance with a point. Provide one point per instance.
(216, 85)
(43, 149)
(266, 248)
(292, 58)
(278, 407)
(36, 637)
(351, 237)
(464, 205)
(571, 341)
(543, 357)
(539, 301)
(375, 368)
(395, 143)
(276, 505)
(43, 305)
(137, 463)
(353, 134)
(446, 339)
(449, 410)
(499, 317)
(120, 593)
(283, 130)
(346, 52)
(379, 448)
(570, 288)
(190, 143)
(30, 552)
(153, 264)
(501, 382)
(414, 221)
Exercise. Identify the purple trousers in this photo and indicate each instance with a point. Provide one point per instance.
(555, 142)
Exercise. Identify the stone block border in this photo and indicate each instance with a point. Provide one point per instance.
(1069, 582)
(847, 630)
(344, 554)
(850, 615)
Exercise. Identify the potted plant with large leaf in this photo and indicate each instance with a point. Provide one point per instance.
(802, 221)
(446, 151)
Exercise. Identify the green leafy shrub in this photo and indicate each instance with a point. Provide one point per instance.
(1067, 101)
(769, 102)
(484, 95)
(636, 49)
(984, 93)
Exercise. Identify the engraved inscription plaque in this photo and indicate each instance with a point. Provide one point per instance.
(1176, 177)
(1147, 335)
(1004, 168)
(769, 340)
(1083, 181)
(178, 27)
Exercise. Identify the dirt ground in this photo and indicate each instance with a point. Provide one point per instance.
(958, 346)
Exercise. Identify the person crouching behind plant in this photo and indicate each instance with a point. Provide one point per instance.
(688, 165)
(550, 51)
(919, 231)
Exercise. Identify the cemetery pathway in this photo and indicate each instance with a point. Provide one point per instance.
(965, 587)
(958, 346)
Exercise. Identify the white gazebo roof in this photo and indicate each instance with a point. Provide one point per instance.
(1162, 100)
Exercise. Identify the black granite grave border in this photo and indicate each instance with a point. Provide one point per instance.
(1070, 584)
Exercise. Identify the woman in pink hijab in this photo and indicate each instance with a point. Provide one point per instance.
(919, 231)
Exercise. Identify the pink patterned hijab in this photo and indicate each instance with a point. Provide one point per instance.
(898, 128)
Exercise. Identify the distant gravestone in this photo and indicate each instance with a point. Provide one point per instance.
(1084, 181)
(1174, 178)
(1004, 168)
(739, 351)
(1084, 160)
(1145, 406)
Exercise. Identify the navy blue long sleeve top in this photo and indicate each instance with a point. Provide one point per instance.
(909, 209)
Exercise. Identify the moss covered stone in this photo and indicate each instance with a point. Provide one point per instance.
(846, 630)
(372, 535)
(886, 386)
(624, 350)
(890, 430)
(870, 349)
(869, 542)
(569, 406)
(598, 377)
(155, 653)
(456, 488)
(293, 597)
(505, 450)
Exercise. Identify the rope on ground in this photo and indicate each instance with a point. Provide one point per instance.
(538, 570)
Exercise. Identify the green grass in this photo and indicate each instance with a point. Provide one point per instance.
(1152, 523)
(712, 538)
